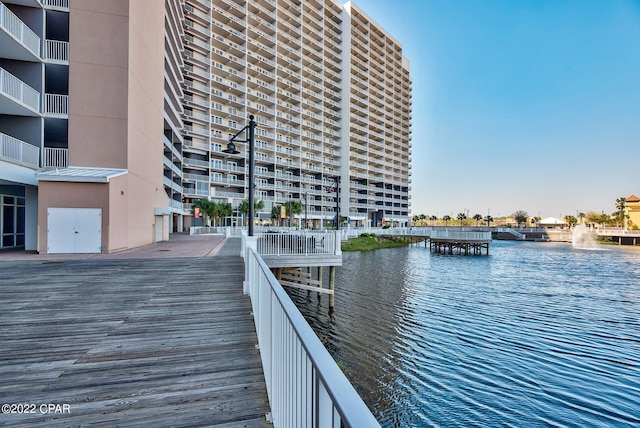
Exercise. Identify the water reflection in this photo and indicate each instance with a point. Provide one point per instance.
(532, 335)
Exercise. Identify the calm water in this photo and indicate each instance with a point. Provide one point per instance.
(533, 335)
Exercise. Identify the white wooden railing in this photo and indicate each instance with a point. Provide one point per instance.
(306, 388)
(514, 232)
(454, 234)
(18, 151)
(18, 29)
(207, 230)
(57, 51)
(298, 243)
(432, 232)
(15, 88)
(614, 231)
(55, 158)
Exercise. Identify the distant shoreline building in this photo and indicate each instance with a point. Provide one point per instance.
(632, 212)
(114, 115)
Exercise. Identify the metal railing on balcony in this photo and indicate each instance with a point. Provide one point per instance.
(57, 4)
(18, 29)
(15, 88)
(18, 151)
(56, 51)
(56, 105)
(304, 384)
(55, 158)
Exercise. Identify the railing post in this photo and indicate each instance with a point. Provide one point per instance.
(250, 242)
(337, 248)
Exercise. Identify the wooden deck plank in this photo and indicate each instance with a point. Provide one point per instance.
(131, 342)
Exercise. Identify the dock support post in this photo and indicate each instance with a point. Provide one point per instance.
(332, 285)
(320, 279)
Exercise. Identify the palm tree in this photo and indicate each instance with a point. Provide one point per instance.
(244, 207)
(422, 219)
(415, 219)
(220, 210)
(433, 219)
(520, 217)
(571, 220)
(477, 218)
(275, 214)
(461, 218)
(446, 219)
(581, 217)
(605, 219)
(292, 207)
(211, 210)
(204, 206)
(620, 213)
(488, 219)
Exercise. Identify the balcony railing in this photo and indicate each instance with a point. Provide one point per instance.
(56, 105)
(18, 29)
(55, 158)
(15, 88)
(18, 151)
(57, 4)
(304, 384)
(57, 51)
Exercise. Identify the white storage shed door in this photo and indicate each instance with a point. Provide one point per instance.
(74, 230)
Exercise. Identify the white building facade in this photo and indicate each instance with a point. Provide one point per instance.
(331, 94)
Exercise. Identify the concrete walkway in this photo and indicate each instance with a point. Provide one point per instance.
(158, 336)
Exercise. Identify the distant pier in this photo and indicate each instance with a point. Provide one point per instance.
(447, 240)
(621, 236)
(459, 246)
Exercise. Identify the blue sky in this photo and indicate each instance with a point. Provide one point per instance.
(527, 105)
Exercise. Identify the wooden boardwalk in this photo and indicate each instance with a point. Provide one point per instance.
(137, 342)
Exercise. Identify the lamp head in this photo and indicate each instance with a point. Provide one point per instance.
(231, 149)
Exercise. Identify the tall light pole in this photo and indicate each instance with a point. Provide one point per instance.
(337, 183)
(250, 131)
(306, 210)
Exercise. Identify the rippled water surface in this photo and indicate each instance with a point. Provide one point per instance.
(532, 335)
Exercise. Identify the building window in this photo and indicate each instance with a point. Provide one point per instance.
(12, 219)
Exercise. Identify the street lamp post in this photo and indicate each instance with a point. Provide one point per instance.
(337, 183)
(231, 148)
(306, 210)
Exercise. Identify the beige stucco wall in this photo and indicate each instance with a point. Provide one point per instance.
(116, 114)
(146, 118)
(98, 83)
(117, 234)
(633, 211)
(53, 194)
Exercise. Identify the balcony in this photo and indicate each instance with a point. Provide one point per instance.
(62, 5)
(55, 158)
(16, 97)
(19, 152)
(56, 105)
(18, 41)
(56, 52)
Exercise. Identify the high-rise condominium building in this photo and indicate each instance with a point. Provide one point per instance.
(114, 116)
(331, 94)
